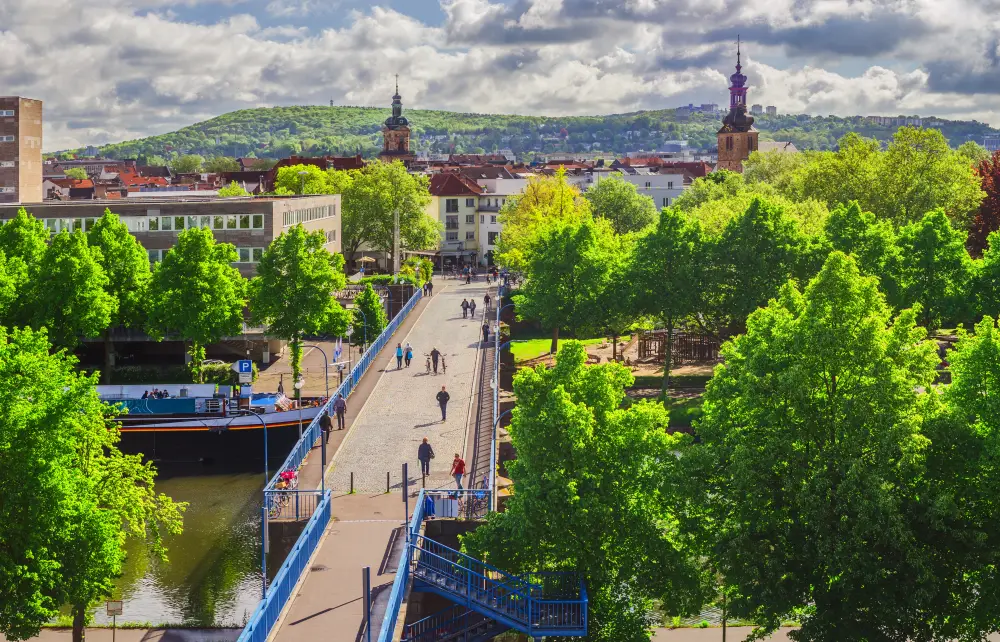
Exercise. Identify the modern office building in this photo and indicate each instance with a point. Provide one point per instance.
(20, 150)
(248, 223)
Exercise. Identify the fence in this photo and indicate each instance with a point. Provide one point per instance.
(292, 505)
(687, 347)
(269, 609)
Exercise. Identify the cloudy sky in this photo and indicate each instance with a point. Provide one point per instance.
(119, 69)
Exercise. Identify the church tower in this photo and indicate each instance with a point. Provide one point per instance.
(396, 132)
(737, 138)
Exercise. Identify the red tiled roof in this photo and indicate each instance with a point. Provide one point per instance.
(453, 184)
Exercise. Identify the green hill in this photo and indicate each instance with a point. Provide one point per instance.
(277, 132)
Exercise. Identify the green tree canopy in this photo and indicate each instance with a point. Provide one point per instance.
(78, 173)
(812, 451)
(371, 195)
(23, 241)
(598, 492)
(302, 179)
(59, 459)
(569, 266)
(625, 208)
(74, 301)
(196, 294)
(219, 164)
(368, 316)
(233, 189)
(871, 241)
(987, 278)
(126, 265)
(294, 287)
(189, 164)
(935, 269)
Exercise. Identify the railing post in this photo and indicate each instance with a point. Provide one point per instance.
(387, 482)
(263, 550)
(366, 584)
(406, 500)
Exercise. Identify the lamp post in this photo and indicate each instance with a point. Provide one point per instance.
(298, 399)
(302, 182)
(326, 366)
(364, 327)
(251, 413)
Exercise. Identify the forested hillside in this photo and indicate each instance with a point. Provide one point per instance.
(278, 132)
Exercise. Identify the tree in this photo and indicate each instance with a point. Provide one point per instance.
(667, 273)
(233, 189)
(78, 173)
(598, 493)
(74, 302)
(370, 196)
(156, 160)
(935, 269)
(188, 164)
(126, 265)
(262, 164)
(973, 152)
(776, 168)
(302, 179)
(757, 253)
(811, 463)
(293, 292)
(24, 241)
(987, 218)
(569, 265)
(544, 199)
(60, 459)
(197, 294)
(987, 278)
(220, 164)
(625, 208)
(369, 317)
(872, 242)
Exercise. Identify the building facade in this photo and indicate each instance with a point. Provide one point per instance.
(20, 150)
(737, 137)
(455, 203)
(250, 224)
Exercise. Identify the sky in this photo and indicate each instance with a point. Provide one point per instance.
(121, 69)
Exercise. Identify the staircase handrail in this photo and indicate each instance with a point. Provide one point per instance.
(516, 585)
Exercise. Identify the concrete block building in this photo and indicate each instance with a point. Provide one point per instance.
(20, 150)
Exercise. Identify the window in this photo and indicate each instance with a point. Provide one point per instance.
(6, 112)
(205, 221)
(470, 236)
(493, 219)
(218, 222)
(258, 222)
(491, 238)
(155, 256)
(666, 201)
(451, 223)
(166, 223)
(154, 223)
(67, 224)
(6, 139)
(729, 143)
(256, 253)
(192, 222)
(230, 221)
(244, 254)
(648, 184)
(470, 219)
(7, 163)
(470, 202)
(451, 236)
(89, 223)
(51, 224)
(244, 221)
(451, 205)
(178, 223)
(482, 218)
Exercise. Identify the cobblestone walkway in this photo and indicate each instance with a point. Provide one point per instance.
(402, 409)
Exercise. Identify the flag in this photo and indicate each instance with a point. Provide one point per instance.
(339, 350)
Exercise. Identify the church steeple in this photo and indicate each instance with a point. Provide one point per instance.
(396, 132)
(737, 137)
(397, 119)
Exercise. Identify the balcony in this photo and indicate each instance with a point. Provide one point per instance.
(451, 226)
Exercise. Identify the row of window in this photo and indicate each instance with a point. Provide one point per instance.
(670, 184)
(212, 222)
(295, 217)
(453, 236)
(7, 139)
(247, 254)
(493, 218)
(451, 204)
(6, 112)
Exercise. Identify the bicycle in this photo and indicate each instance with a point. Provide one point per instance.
(428, 363)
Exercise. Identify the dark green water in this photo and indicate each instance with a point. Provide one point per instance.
(213, 575)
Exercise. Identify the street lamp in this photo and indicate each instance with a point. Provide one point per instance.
(298, 399)
(302, 182)
(326, 366)
(251, 413)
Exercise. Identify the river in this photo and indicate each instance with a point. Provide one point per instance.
(213, 575)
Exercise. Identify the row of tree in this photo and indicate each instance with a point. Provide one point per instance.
(80, 285)
(833, 482)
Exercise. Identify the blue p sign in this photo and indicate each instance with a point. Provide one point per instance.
(246, 366)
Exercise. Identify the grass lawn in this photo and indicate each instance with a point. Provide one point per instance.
(527, 349)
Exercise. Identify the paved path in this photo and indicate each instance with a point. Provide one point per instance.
(402, 408)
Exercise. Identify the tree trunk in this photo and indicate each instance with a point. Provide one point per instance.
(109, 348)
(614, 347)
(667, 355)
(555, 340)
(79, 613)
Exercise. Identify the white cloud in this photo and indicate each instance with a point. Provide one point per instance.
(134, 68)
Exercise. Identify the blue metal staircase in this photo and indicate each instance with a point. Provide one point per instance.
(453, 624)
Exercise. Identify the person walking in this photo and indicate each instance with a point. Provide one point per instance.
(430, 287)
(425, 454)
(472, 309)
(486, 300)
(435, 355)
(399, 356)
(326, 426)
(442, 399)
(457, 470)
(408, 353)
(486, 332)
(340, 407)
(465, 308)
